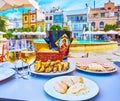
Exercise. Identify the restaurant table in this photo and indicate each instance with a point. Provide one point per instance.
(33, 88)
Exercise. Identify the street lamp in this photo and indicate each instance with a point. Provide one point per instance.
(62, 19)
(118, 22)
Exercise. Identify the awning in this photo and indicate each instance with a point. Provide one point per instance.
(9, 4)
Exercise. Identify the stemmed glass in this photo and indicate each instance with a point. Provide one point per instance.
(28, 56)
(13, 55)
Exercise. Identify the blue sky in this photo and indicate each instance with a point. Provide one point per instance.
(64, 4)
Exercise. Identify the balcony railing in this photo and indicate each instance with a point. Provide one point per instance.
(92, 17)
(74, 21)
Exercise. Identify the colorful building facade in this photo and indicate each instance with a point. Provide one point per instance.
(77, 21)
(29, 19)
(41, 26)
(109, 14)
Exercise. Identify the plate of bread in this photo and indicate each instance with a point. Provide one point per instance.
(71, 88)
(96, 66)
(51, 68)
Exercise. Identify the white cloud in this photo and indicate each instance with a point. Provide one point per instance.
(14, 15)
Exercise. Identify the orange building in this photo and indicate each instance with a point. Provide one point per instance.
(109, 14)
(29, 19)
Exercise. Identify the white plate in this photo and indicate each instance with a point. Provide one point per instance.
(6, 73)
(19, 64)
(97, 72)
(49, 89)
(72, 68)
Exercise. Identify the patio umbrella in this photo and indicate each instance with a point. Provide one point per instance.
(2, 32)
(9, 4)
(99, 32)
(89, 32)
(17, 33)
(112, 32)
(4, 5)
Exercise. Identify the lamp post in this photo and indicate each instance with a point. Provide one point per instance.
(62, 19)
(118, 22)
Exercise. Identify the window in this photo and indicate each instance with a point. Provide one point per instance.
(69, 18)
(58, 18)
(109, 8)
(75, 35)
(102, 14)
(72, 18)
(84, 18)
(118, 24)
(95, 15)
(93, 24)
(101, 24)
(50, 17)
(115, 13)
(77, 18)
(81, 18)
(84, 26)
(76, 27)
(25, 18)
(46, 18)
(33, 18)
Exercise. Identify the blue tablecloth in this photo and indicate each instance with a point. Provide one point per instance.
(32, 89)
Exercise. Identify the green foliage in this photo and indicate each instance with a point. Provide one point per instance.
(58, 27)
(86, 29)
(55, 27)
(28, 29)
(2, 25)
(110, 27)
(11, 30)
(8, 35)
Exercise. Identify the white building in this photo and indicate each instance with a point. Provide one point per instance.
(48, 20)
(53, 16)
(77, 20)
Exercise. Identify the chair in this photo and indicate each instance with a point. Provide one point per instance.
(2, 55)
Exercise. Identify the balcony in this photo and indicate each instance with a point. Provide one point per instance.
(104, 17)
(78, 21)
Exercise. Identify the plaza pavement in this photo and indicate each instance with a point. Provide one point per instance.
(111, 55)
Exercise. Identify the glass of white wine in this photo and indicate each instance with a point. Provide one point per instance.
(13, 55)
(28, 56)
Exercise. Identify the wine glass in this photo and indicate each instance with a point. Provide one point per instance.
(13, 55)
(28, 56)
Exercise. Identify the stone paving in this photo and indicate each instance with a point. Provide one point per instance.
(112, 55)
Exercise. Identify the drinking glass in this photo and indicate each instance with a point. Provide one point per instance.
(13, 55)
(28, 56)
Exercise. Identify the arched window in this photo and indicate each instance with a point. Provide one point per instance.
(33, 17)
(101, 24)
(93, 24)
(25, 18)
(46, 18)
(118, 24)
(109, 8)
(50, 17)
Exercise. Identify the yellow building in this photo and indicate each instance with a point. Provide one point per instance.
(29, 19)
(109, 14)
(41, 26)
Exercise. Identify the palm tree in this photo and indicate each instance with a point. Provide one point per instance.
(2, 25)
